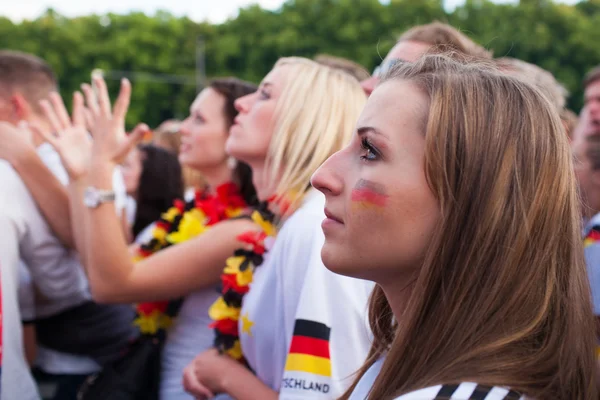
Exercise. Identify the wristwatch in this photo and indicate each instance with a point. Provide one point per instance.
(93, 198)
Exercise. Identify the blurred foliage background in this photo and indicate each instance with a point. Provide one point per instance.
(160, 52)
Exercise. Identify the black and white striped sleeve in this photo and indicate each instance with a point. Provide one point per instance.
(463, 391)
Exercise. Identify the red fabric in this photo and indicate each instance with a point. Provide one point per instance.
(144, 253)
(256, 239)
(226, 327)
(594, 235)
(229, 194)
(230, 282)
(215, 206)
(163, 225)
(310, 346)
(147, 308)
(180, 205)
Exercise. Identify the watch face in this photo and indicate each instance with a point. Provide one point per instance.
(91, 198)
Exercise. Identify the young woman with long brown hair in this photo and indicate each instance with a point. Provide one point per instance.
(457, 196)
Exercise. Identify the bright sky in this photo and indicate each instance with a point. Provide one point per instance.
(212, 10)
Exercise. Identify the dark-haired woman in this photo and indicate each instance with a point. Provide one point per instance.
(153, 180)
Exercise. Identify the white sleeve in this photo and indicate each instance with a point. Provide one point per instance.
(55, 270)
(51, 159)
(13, 215)
(120, 191)
(331, 337)
(15, 379)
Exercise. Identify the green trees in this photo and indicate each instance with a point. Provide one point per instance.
(159, 52)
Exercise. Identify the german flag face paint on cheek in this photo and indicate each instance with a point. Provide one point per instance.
(369, 195)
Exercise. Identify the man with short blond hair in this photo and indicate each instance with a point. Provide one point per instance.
(27, 78)
(420, 39)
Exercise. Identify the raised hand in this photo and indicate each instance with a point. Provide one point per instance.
(111, 143)
(70, 138)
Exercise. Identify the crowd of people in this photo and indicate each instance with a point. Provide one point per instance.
(427, 231)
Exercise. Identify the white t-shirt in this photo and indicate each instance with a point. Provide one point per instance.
(463, 391)
(16, 381)
(18, 215)
(304, 329)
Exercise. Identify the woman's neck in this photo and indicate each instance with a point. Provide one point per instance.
(397, 293)
(264, 184)
(217, 176)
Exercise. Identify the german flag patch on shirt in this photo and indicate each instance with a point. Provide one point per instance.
(592, 237)
(309, 351)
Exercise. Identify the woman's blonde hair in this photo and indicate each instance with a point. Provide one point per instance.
(315, 117)
(502, 297)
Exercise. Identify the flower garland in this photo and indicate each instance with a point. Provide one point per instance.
(237, 276)
(180, 223)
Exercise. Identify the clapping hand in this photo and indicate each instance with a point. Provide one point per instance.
(111, 143)
(70, 138)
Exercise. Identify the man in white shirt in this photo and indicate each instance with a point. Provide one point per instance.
(42, 237)
(21, 228)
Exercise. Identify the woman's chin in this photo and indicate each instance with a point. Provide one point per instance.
(335, 261)
(187, 160)
(236, 150)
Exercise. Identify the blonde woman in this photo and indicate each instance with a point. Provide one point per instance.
(457, 196)
(302, 329)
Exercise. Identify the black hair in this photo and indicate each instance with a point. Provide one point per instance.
(161, 183)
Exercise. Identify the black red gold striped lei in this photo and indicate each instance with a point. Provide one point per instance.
(180, 223)
(238, 274)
